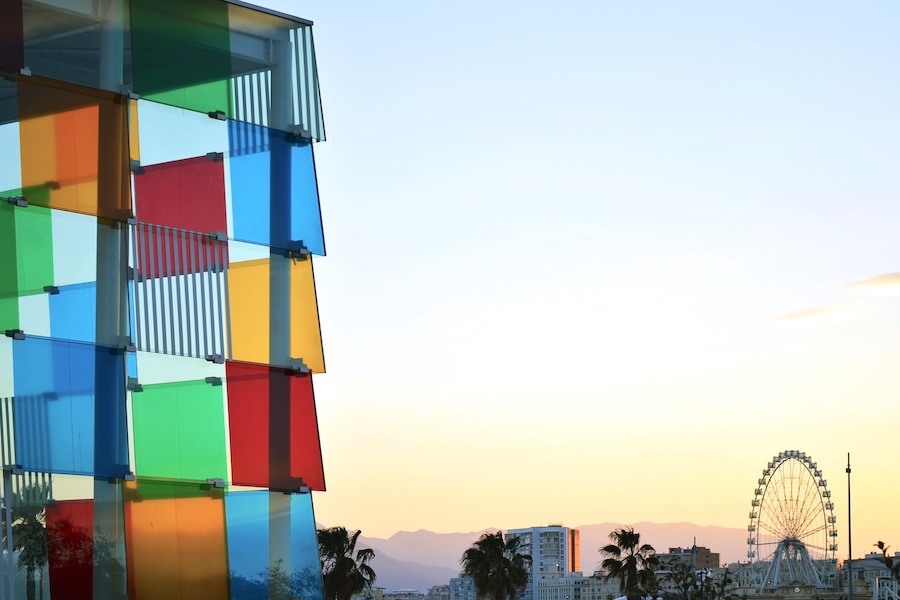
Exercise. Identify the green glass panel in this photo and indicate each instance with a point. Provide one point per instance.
(179, 45)
(179, 431)
(206, 97)
(35, 252)
(26, 256)
(9, 288)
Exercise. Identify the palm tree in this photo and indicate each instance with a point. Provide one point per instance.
(499, 571)
(629, 561)
(343, 572)
(888, 561)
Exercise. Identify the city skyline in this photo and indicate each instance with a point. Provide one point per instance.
(601, 262)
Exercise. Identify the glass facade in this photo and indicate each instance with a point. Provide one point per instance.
(159, 328)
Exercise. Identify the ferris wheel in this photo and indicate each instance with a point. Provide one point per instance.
(792, 534)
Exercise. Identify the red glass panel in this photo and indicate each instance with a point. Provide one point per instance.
(70, 547)
(187, 194)
(274, 432)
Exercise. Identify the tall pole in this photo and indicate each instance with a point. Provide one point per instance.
(849, 537)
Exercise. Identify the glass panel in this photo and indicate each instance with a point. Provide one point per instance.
(12, 46)
(73, 312)
(306, 574)
(179, 431)
(67, 536)
(74, 247)
(79, 41)
(70, 547)
(74, 148)
(169, 133)
(27, 496)
(175, 541)
(274, 195)
(187, 194)
(211, 56)
(26, 257)
(272, 548)
(275, 82)
(179, 291)
(182, 53)
(9, 273)
(69, 407)
(34, 314)
(161, 368)
(253, 325)
(273, 428)
(246, 514)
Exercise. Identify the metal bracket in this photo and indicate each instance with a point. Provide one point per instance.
(215, 358)
(300, 253)
(215, 156)
(16, 334)
(214, 381)
(132, 384)
(299, 367)
(217, 236)
(51, 289)
(17, 201)
(136, 167)
(25, 71)
(298, 133)
(216, 482)
(14, 469)
(218, 115)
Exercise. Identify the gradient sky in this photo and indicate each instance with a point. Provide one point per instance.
(600, 261)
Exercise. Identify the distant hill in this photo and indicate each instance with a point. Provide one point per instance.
(420, 559)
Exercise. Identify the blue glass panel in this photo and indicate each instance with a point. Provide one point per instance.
(248, 543)
(279, 211)
(69, 407)
(73, 312)
(306, 574)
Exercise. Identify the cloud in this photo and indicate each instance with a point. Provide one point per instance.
(885, 284)
(816, 313)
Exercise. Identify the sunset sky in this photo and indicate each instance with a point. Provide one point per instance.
(600, 261)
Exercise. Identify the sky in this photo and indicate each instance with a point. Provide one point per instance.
(601, 261)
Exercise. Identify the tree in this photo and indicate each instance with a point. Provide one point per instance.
(496, 566)
(893, 567)
(632, 563)
(345, 570)
(29, 532)
(683, 579)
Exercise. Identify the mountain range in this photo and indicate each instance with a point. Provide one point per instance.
(417, 560)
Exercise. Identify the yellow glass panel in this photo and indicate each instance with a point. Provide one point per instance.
(248, 297)
(306, 337)
(249, 286)
(134, 140)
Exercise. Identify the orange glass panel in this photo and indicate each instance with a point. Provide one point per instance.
(175, 543)
(74, 148)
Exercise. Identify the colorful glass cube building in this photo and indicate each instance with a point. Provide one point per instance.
(159, 218)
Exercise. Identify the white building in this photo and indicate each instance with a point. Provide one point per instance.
(555, 551)
(462, 588)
